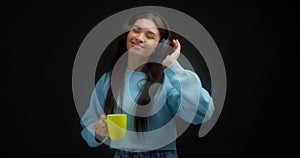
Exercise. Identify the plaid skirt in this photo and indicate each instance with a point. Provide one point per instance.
(147, 154)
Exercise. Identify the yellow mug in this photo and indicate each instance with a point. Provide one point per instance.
(116, 124)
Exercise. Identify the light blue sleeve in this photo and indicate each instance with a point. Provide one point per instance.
(195, 103)
(92, 114)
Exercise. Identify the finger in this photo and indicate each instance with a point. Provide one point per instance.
(178, 43)
(103, 132)
(103, 123)
(174, 43)
(178, 46)
(102, 117)
(96, 126)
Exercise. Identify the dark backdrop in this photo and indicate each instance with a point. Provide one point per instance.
(256, 40)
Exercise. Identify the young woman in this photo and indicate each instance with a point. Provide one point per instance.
(151, 130)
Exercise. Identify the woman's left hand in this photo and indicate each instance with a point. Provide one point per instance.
(175, 55)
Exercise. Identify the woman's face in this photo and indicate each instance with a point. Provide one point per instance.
(143, 38)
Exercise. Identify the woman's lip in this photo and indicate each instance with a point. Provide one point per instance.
(137, 45)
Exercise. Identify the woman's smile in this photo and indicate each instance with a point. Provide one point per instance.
(137, 45)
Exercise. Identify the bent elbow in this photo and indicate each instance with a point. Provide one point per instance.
(210, 110)
(205, 111)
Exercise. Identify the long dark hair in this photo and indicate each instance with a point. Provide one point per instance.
(153, 71)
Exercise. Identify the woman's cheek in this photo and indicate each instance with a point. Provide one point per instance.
(152, 47)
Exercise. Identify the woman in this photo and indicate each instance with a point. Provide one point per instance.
(180, 94)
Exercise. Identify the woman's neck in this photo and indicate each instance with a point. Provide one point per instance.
(136, 64)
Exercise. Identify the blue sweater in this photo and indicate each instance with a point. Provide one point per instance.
(182, 95)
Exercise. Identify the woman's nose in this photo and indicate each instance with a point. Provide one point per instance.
(140, 37)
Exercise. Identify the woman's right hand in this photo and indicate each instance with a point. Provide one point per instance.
(175, 55)
(100, 127)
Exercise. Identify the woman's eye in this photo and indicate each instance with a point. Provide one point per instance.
(135, 30)
(150, 36)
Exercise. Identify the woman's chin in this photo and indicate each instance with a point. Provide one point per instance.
(136, 51)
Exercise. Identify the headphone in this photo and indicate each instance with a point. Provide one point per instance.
(165, 44)
(163, 47)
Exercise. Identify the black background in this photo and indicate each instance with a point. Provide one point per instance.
(256, 40)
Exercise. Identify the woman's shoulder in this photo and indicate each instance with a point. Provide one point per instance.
(104, 80)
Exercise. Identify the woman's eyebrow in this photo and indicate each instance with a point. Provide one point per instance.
(136, 26)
